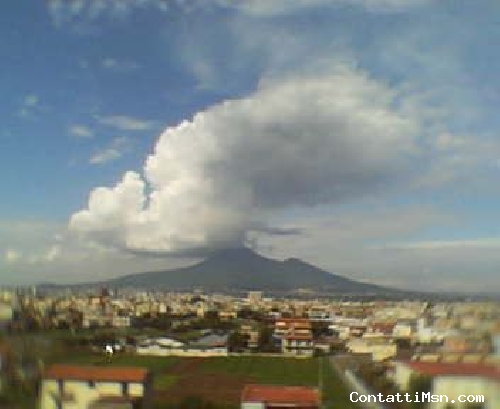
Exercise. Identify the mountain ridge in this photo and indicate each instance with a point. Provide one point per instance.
(243, 269)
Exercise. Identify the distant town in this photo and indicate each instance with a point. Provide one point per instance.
(127, 348)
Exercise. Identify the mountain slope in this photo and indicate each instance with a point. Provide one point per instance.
(243, 269)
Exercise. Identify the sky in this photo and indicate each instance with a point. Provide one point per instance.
(359, 135)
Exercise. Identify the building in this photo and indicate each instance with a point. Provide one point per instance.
(297, 344)
(453, 380)
(379, 349)
(209, 345)
(280, 397)
(95, 387)
(254, 297)
(287, 326)
(295, 335)
(252, 333)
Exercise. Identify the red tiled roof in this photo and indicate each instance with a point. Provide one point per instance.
(298, 337)
(299, 395)
(96, 373)
(297, 324)
(455, 369)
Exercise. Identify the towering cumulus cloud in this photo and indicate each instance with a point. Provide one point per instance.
(294, 142)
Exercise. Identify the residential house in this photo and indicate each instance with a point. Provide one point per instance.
(209, 345)
(252, 333)
(453, 380)
(95, 387)
(379, 349)
(297, 344)
(298, 326)
(296, 336)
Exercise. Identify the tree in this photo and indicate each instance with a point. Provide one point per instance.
(266, 340)
(419, 384)
(237, 341)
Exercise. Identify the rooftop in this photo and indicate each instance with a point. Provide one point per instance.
(299, 395)
(455, 369)
(96, 373)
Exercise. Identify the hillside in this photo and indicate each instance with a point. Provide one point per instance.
(243, 269)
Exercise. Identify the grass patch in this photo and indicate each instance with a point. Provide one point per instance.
(287, 371)
(335, 394)
(164, 381)
(267, 370)
(153, 363)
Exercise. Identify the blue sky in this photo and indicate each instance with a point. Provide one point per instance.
(360, 135)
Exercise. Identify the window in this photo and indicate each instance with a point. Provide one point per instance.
(60, 385)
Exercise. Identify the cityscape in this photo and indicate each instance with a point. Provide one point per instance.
(125, 348)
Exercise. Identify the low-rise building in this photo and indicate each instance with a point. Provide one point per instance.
(286, 326)
(452, 380)
(95, 387)
(379, 350)
(299, 345)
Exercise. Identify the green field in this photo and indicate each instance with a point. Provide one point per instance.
(153, 363)
(177, 378)
(218, 380)
(286, 371)
(267, 370)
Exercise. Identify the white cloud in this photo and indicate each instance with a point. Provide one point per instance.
(376, 243)
(105, 156)
(457, 160)
(109, 63)
(125, 123)
(31, 100)
(301, 141)
(266, 7)
(122, 66)
(477, 243)
(53, 253)
(81, 131)
(63, 11)
(12, 256)
(118, 147)
(30, 106)
(66, 260)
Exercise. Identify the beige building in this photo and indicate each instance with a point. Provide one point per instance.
(301, 345)
(457, 381)
(95, 387)
(296, 336)
(287, 326)
(380, 349)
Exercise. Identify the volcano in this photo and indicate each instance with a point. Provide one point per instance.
(242, 269)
